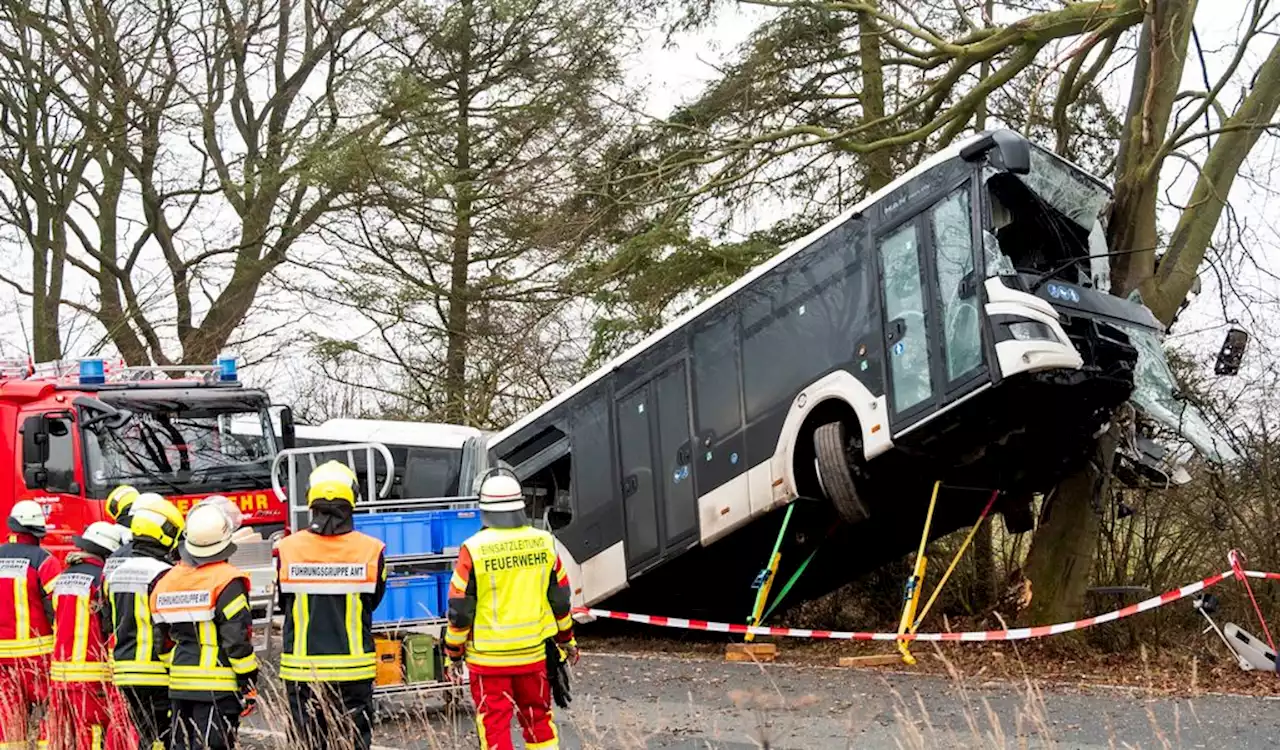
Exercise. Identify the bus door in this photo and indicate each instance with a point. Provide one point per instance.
(655, 452)
(932, 303)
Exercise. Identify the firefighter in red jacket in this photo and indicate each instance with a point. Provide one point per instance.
(27, 572)
(79, 712)
(508, 596)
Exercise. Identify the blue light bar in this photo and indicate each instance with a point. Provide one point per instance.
(93, 371)
(226, 368)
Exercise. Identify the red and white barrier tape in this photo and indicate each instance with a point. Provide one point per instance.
(1016, 634)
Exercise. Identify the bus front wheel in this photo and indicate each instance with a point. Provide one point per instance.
(830, 445)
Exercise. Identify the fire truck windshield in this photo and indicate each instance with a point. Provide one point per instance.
(179, 451)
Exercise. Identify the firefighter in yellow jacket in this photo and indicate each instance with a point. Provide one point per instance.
(140, 666)
(508, 596)
(331, 578)
(202, 605)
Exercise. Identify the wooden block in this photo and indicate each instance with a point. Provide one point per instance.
(763, 652)
(873, 660)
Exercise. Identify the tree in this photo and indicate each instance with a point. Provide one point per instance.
(461, 245)
(218, 134)
(835, 87)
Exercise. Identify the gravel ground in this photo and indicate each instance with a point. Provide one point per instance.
(644, 701)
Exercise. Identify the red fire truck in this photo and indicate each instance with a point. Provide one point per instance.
(74, 431)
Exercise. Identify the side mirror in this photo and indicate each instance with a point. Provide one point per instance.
(35, 440)
(288, 432)
(1011, 152)
(558, 518)
(1232, 352)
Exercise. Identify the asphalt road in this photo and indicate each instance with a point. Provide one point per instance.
(623, 702)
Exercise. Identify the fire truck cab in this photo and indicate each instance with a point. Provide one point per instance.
(72, 432)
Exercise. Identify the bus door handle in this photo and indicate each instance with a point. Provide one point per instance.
(629, 485)
(684, 455)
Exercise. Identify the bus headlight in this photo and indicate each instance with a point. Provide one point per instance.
(1031, 330)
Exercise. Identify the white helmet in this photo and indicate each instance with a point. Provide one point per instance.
(100, 538)
(27, 517)
(209, 529)
(501, 494)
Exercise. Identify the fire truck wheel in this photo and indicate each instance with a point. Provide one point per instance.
(830, 444)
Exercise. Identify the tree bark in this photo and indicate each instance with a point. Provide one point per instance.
(456, 339)
(878, 163)
(1162, 50)
(1066, 541)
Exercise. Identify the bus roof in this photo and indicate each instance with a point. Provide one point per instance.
(934, 160)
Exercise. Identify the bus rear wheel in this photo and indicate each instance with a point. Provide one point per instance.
(830, 445)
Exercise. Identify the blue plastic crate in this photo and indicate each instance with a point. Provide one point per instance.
(403, 533)
(450, 528)
(442, 583)
(415, 597)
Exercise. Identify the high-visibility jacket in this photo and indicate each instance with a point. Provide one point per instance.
(329, 587)
(205, 612)
(27, 573)
(79, 646)
(141, 652)
(508, 594)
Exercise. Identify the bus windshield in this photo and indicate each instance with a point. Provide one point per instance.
(179, 451)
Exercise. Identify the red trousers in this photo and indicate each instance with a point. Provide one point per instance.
(24, 685)
(525, 694)
(79, 714)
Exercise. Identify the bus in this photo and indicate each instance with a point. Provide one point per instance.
(953, 326)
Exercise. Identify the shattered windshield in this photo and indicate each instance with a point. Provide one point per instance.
(1155, 393)
(162, 451)
(1048, 218)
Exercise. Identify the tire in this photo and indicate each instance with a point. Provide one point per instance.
(835, 476)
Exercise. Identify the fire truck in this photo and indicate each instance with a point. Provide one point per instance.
(73, 431)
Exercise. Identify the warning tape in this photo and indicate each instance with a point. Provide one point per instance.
(1015, 634)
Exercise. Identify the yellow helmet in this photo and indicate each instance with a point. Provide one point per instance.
(157, 519)
(332, 480)
(119, 501)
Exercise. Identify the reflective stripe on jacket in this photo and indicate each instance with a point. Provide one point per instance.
(329, 587)
(139, 657)
(205, 611)
(79, 647)
(507, 596)
(27, 572)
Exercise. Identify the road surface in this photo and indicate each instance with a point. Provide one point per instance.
(623, 702)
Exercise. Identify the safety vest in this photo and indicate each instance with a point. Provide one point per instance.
(27, 573)
(186, 599)
(512, 569)
(328, 628)
(139, 656)
(79, 649)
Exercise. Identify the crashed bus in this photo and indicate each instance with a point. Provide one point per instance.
(953, 326)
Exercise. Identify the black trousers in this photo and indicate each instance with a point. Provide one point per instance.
(149, 711)
(324, 710)
(202, 725)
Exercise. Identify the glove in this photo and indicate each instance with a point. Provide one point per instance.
(571, 653)
(453, 671)
(249, 701)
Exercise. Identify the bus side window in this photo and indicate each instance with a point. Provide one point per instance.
(61, 465)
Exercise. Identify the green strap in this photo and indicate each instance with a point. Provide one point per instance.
(794, 577)
(777, 545)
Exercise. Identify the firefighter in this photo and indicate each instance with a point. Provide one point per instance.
(27, 573)
(508, 596)
(202, 605)
(79, 706)
(139, 668)
(331, 579)
(119, 508)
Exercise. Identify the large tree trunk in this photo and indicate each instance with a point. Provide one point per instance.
(878, 163)
(456, 340)
(1066, 540)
